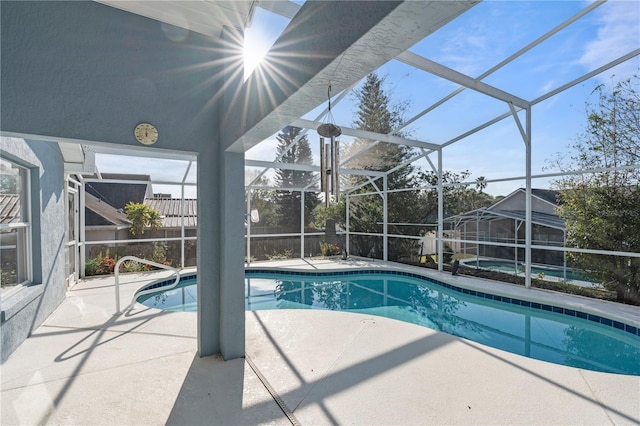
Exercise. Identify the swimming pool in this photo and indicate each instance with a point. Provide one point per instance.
(539, 331)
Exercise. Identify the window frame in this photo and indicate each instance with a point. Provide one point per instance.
(24, 252)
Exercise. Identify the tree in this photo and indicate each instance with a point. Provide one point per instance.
(377, 114)
(9, 178)
(142, 217)
(458, 198)
(288, 201)
(263, 201)
(601, 209)
(335, 211)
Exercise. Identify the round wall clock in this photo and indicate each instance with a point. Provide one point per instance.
(146, 133)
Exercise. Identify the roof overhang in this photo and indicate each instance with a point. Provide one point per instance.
(204, 17)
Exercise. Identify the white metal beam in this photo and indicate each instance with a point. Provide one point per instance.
(514, 113)
(285, 8)
(308, 168)
(365, 134)
(304, 132)
(435, 68)
(511, 58)
(477, 129)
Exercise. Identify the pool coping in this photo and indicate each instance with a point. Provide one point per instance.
(575, 312)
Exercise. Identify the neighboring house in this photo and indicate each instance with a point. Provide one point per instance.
(117, 188)
(503, 222)
(105, 201)
(103, 221)
(176, 214)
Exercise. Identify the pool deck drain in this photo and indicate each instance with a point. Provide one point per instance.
(274, 394)
(85, 366)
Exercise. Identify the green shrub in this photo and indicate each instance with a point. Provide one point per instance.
(288, 254)
(100, 265)
(328, 249)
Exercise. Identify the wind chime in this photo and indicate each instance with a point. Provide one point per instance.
(329, 156)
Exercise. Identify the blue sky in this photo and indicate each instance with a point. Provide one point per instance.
(472, 44)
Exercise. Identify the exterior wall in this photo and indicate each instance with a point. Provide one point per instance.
(84, 71)
(541, 206)
(100, 234)
(516, 202)
(513, 203)
(24, 310)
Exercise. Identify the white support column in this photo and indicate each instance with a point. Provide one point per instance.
(221, 316)
(248, 221)
(488, 237)
(208, 249)
(564, 255)
(231, 308)
(528, 229)
(301, 224)
(182, 223)
(516, 228)
(83, 239)
(385, 219)
(440, 212)
(182, 229)
(346, 242)
(477, 239)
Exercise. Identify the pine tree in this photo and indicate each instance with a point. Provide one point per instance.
(288, 202)
(375, 113)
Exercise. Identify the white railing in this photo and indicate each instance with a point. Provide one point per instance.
(138, 292)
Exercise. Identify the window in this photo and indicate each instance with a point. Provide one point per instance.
(14, 225)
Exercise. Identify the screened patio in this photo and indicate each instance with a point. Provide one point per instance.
(280, 92)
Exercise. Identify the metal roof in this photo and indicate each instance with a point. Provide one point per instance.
(484, 214)
(9, 208)
(106, 211)
(170, 208)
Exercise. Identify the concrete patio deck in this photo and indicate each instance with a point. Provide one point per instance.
(85, 366)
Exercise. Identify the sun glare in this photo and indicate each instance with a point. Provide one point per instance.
(255, 48)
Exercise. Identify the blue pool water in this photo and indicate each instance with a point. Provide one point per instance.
(543, 332)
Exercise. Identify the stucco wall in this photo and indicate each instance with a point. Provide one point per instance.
(88, 72)
(24, 310)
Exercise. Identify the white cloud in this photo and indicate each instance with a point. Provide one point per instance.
(618, 34)
(548, 86)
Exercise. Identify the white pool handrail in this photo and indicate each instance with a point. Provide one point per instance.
(137, 293)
